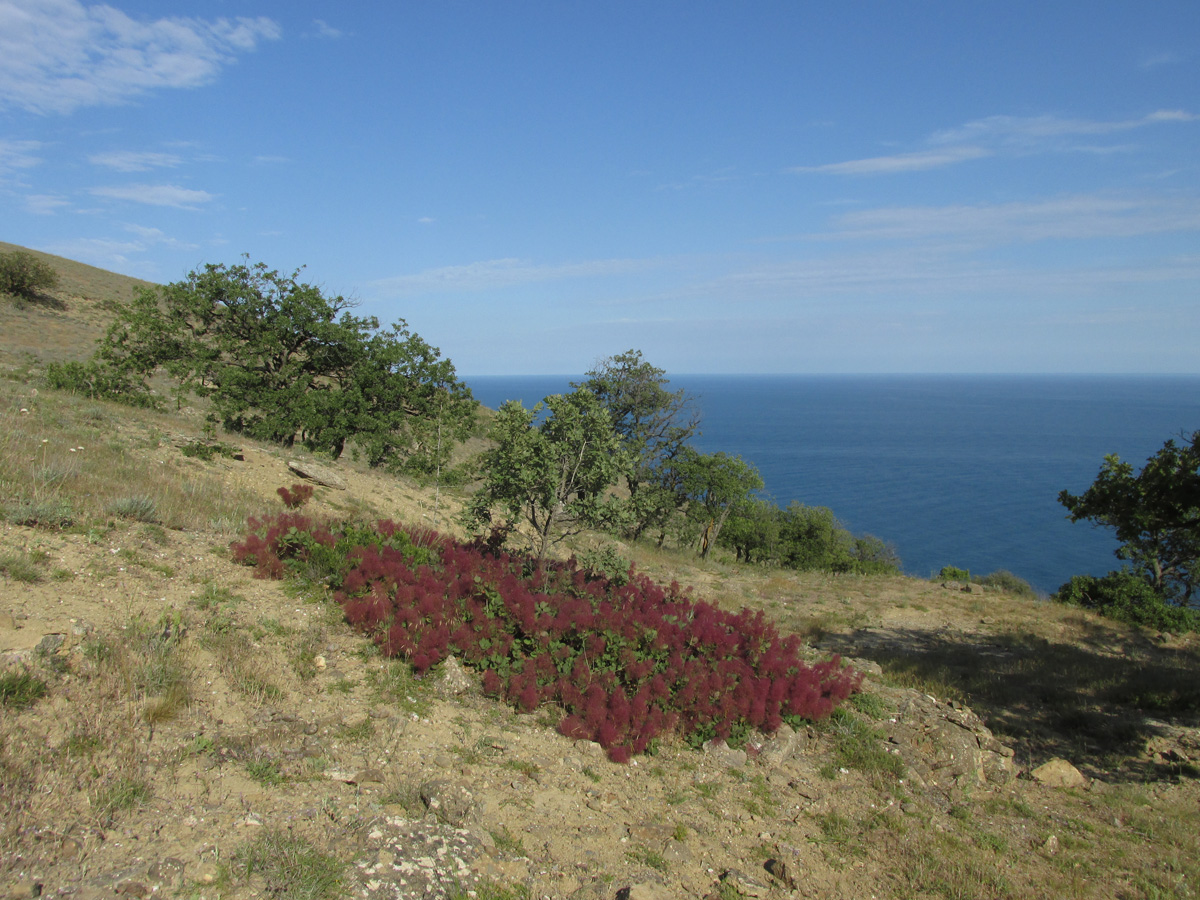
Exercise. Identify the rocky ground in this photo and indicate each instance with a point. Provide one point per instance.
(283, 755)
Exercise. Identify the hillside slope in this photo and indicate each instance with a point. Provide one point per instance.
(171, 724)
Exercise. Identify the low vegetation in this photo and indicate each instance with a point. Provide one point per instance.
(630, 663)
(24, 276)
(240, 724)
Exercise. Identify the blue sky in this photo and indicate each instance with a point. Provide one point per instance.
(728, 187)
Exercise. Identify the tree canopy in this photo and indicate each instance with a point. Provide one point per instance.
(1155, 513)
(654, 425)
(25, 276)
(279, 361)
(553, 475)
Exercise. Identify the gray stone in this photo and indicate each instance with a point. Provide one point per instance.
(722, 754)
(318, 473)
(645, 891)
(51, 644)
(744, 884)
(781, 872)
(781, 746)
(453, 680)
(450, 803)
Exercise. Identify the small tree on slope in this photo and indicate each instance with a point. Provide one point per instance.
(1155, 513)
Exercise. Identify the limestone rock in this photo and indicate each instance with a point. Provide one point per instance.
(744, 884)
(1058, 773)
(781, 746)
(724, 755)
(318, 473)
(645, 891)
(945, 743)
(454, 680)
(450, 802)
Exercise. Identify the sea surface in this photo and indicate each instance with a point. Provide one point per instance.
(960, 470)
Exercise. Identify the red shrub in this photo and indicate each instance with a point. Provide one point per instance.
(626, 663)
(297, 496)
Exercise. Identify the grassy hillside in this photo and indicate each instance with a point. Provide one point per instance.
(171, 724)
(66, 324)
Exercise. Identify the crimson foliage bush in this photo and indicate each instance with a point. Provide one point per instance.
(297, 496)
(628, 662)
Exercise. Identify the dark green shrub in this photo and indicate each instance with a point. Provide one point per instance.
(1122, 595)
(1003, 580)
(606, 562)
(207, 450)
(90, 379)
(24, 275)
(953, 573)
(873, 556)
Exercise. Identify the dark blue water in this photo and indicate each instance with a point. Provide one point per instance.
(959, 470)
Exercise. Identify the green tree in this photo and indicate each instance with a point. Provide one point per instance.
(715, 484)
(1155, 513)
(654, 425)
(811, 538)
(753, 530)
(280, 361)
(551, 473)
(25, 276)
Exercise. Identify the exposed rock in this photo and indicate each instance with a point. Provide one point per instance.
(779, 748)
(645, 891)
(51, 644)
(405, 859)
(1058, 773)
(780, 871)
(744, 884)
(946, 744)
(450, 803)
(454, 680)
(722, 754)
(318, 473)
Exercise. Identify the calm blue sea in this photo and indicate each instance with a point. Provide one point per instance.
(959, 470)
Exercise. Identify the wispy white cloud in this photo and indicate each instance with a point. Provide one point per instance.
(1165, 58)
(995, 135)
(134, 160)
(109, 252)
(18, 155)
(59, 55)
(1035, 131)
(1073, 217)
(156, 236)
(97, 251)
(45, 204)
(901, 162)
(325, 30)
(924, 280)
(494, 274)
(155, 195)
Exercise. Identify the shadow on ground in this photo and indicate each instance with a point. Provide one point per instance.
(1097, 700)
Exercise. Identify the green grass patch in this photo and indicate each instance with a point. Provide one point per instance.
(289, 865)
(20, 690)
